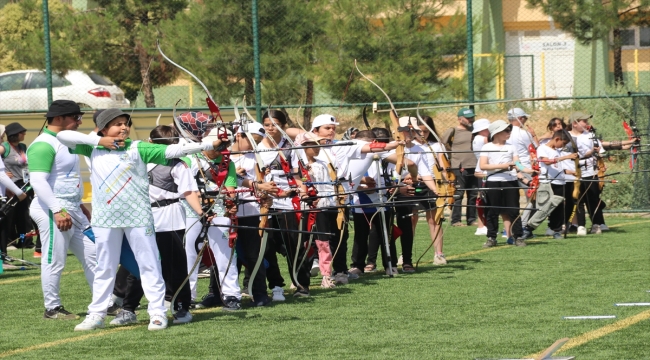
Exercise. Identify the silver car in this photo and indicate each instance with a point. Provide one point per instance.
(26, 90)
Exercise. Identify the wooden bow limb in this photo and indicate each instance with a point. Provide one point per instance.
(465, 104)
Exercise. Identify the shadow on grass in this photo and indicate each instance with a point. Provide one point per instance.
(18, 273)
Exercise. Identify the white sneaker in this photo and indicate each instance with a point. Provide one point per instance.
(582, 231)
(603, 227)
(439, 259)
(481, 231)
(124, 317)
(595, 229)
(158, 322)
(204, 274)
(278, 294)
(315, 269)
(91, 322)
(400, 261)
(549, 232)
(327, 283)
(341, 278)
(182, 317)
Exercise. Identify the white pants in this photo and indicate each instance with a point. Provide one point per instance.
(192, 230)
(55, 245)
(218, 237)
(109, 245)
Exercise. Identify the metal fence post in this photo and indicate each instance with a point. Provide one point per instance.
(470, 55)
(256, 64)
(48, 62)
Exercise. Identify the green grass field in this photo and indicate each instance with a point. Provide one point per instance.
(504, 302)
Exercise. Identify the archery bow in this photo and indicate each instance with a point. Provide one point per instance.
(576, 184)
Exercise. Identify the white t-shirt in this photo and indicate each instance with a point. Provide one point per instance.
(504, 155)
(272, 161)
(319, 172)
(553, 173)
(416, 154)
(171, 217)
(568, 164)
(520, 139)
(249, 204)
(585, 144)
(477, 146)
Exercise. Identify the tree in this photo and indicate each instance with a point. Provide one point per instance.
(399, 43)
(214, 40)
(593, 20)
(117, 40)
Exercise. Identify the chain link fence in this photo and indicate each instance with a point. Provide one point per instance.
(104, 54)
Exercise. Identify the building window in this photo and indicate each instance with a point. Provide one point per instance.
(634, 38)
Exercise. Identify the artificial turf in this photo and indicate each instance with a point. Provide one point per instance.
(505, 302)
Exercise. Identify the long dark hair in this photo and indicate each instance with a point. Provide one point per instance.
(549, 127)
(163, 134)
(275, 114)
(429, 121)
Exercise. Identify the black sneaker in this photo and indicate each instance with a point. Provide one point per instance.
(193, 304)
(231, 303)
(301, 293)
(528, 234)
(209, 301)
(59, 313)
(262, 301)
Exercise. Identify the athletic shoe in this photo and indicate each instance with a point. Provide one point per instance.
(209, 301)
(355, 271)
(124, 317)
(262, 301)
(395, 273)
(341, 278)
(352, 276)
(520, 242)
(557, 236)
(528, 234)
(204, 273)
(481, 231)
(301, 293)
(408, 268)
(315, 269)
(439, 259)
(37, 254)
(510, 241)
(182, 316)
(231, 303)
(603, 227)
(11, 247)
(278, 294)
(244, 293)
(158, 322)
(400, 260)
(549, 232)
(327, 283)
(59, 313)
(595, 229)
(193, 304)
(490, 243)
(504, 234)
(114, 305)
(582, 231)
(91, 322)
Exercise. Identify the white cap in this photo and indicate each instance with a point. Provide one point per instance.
(254, 128)
(516, 113)
(307, 137)
(323, 119)
(405, 120)
(480, 125)
(497, 127)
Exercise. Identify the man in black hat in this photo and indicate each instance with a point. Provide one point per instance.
(57, 207)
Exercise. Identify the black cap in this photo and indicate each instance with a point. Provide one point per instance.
(63, 107)
(14, 128)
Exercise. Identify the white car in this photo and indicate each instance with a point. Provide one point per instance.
(27, 90)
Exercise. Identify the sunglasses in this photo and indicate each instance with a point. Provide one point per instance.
(76, 118)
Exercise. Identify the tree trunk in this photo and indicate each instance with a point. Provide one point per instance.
(309, 100)
(144, 60)
(618, 67)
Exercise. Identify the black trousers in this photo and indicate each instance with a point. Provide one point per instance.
(562, 213)
(289, 240)
(368, 240)
(507, 195)
(465, 180)
(406, 225)
(590, 193)
(248, 250)
(173, 262)
(18, 222)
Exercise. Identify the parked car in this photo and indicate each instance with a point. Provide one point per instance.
(27, 90)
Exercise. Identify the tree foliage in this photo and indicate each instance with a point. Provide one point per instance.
(214, 40)
(589, 20)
